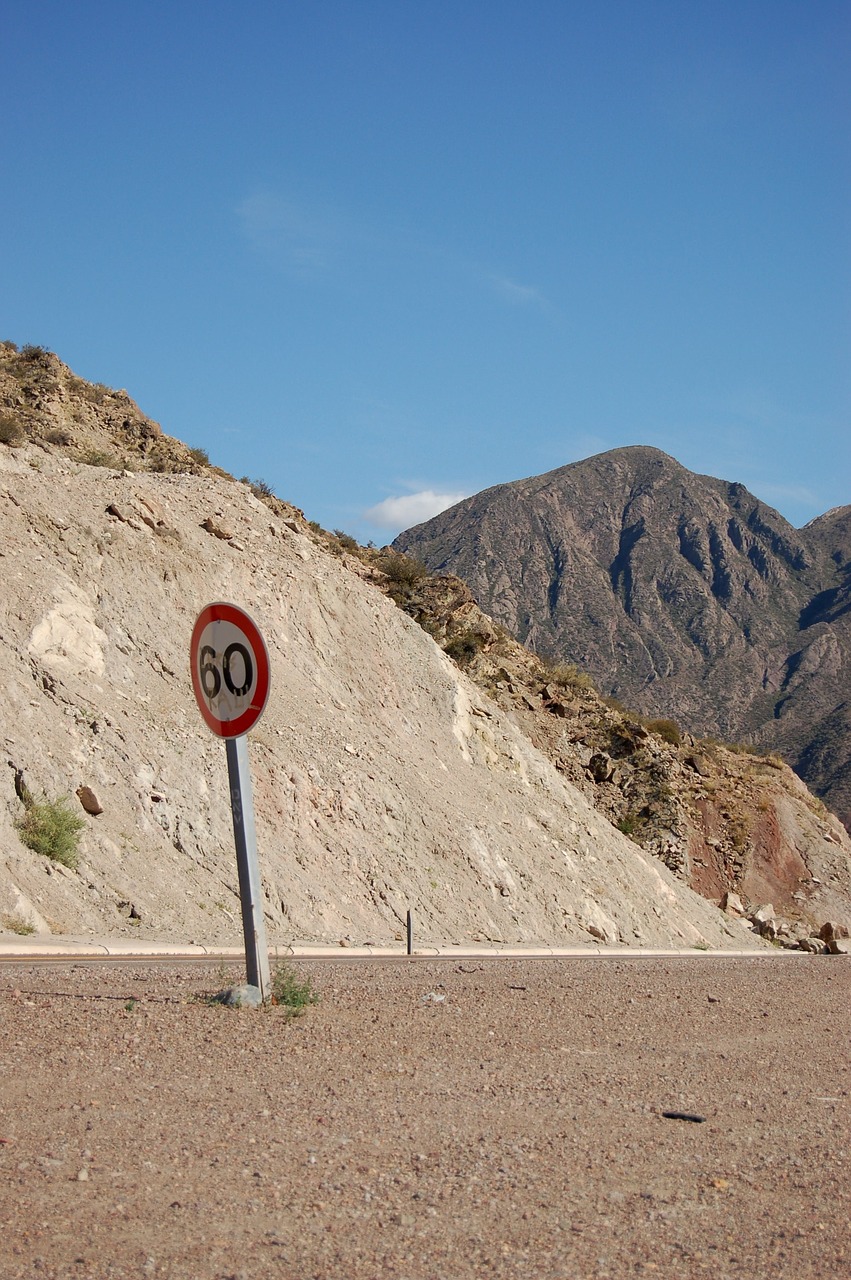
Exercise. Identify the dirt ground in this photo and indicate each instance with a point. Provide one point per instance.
(429, 1120)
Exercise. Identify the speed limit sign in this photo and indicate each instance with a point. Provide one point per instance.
(230, 670)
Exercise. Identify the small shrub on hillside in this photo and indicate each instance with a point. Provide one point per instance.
(464, 648)
(94, 392)
(14, 924)
(34, 353)
(668, 730)
(292, 994)
(58, 435)
(568, 675)
(52, 828)
(10, 430)
(774, 761)
(200, 456)
(99, 458)
(346, 541)
(402, 570)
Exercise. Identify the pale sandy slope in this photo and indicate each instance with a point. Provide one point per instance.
(383, 778)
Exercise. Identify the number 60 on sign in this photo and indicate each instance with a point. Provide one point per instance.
(230, 670)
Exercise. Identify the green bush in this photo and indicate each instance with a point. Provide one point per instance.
(292, 994)
(402, 570)
(200, 456)
(52, 828)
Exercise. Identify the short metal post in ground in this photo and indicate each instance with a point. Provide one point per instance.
(248, 869)
(410, 933)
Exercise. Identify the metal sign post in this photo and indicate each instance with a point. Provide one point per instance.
(230, 676)
(248, 868)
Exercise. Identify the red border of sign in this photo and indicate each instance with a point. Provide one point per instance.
(220, 612)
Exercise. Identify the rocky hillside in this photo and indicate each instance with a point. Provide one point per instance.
(684, 596)
(384, 777)
(737, 825)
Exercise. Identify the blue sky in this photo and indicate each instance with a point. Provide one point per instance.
(379, 254)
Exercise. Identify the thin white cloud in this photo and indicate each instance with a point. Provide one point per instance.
(522, 295)
(292, 235)
(784, 493)
(412, 508)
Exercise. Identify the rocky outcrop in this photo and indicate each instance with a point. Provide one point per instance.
(684, 597)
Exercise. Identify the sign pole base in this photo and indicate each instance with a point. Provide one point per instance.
(250, 888)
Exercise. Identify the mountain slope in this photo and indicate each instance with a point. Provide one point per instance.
(384, 778)
(683, 595)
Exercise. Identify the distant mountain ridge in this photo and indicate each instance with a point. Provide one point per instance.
(683, 595)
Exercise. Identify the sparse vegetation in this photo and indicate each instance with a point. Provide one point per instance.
(260, 488)
(402, 570)
(52, 828)
(463, 648)
(668, 730)
(58, 435)
(96, 392)
(568, 676)
(98, 458)
(11, 432)
(14, 924)
(291, 993)
(200, 456)
(346, 541)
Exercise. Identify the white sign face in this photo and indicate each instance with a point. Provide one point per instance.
(230, 670)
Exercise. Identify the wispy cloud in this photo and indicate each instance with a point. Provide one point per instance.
(520, 295)
(293, 235)
(785, 493)
(311, 240)
(411, 508)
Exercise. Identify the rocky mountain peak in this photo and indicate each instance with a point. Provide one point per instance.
(683, 595)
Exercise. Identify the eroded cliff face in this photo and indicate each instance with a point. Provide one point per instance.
(684, 596)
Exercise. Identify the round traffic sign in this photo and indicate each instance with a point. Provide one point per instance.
(230, 669)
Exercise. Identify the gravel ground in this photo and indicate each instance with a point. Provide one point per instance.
(428, 1120)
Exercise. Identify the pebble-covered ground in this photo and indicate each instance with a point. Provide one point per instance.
(429, 1120)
